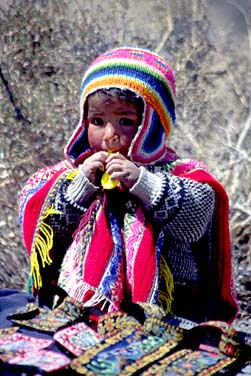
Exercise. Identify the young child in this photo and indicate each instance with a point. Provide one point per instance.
(124, 218)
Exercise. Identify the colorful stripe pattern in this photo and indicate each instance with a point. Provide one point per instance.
(148, 75)
(106, 251)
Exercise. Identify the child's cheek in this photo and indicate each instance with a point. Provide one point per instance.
(94, 138)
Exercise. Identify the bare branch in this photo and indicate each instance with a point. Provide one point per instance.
(169, 29)
(244, 132)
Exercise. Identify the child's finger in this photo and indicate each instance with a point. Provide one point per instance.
(114, 166)
(114, 156)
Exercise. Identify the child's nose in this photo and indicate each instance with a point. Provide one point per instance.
(110, 131)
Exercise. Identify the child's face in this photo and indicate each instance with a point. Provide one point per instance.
(112, 123)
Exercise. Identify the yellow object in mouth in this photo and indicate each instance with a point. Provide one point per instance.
(106, 181)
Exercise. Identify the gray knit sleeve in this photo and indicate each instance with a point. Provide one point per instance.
(80, 190)
(181, 206)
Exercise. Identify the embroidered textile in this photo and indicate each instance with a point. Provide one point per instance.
(77, 338)
(49, 320)
(120, 345)
(99, 244)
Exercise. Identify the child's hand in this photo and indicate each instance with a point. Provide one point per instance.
(118, 167)
(95, 162)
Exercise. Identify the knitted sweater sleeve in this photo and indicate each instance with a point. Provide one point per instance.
(181, 206)
(81, 190)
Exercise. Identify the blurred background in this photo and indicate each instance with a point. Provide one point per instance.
(45, 47)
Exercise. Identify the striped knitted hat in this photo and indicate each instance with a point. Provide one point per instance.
(149, 76)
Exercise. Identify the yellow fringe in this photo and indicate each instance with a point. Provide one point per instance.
(165, 298)
(35, 272)
(42, 245)
(72, 174)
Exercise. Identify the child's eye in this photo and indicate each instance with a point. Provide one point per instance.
(126, 121)
(96, 121)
